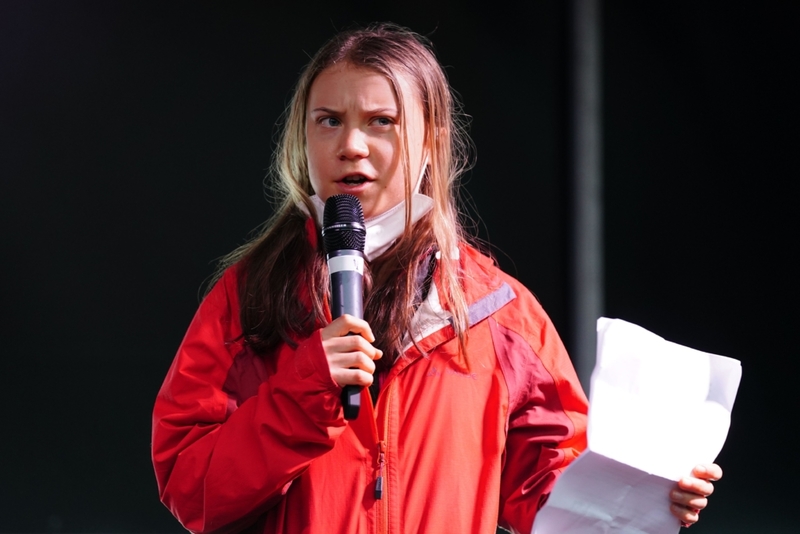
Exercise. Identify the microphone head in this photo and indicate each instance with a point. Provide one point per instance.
(343, 224)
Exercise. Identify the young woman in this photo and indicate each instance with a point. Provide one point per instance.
(471, 407)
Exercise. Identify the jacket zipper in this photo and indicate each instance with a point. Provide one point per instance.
(381, 483)
(379, 480)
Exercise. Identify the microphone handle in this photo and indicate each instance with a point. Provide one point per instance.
(347, 297)
(347, 294)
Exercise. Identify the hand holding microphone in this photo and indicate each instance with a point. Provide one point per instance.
(350, 356)
(347, 340)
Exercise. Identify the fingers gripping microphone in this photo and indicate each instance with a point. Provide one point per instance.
(344, 235)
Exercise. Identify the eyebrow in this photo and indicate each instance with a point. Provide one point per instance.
(325, 110)
(380, 111)
(376, 111)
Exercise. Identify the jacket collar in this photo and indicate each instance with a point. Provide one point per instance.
(432, 324)
(486, 293)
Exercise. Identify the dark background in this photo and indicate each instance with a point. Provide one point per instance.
(134, 139)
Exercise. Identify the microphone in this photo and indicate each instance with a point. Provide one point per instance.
(344, 235)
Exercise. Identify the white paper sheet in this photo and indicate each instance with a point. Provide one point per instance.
(657, 409)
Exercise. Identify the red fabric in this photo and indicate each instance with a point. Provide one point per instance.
(242, 441)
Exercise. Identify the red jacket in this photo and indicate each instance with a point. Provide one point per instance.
(241, 441)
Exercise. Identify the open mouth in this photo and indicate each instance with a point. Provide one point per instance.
(355, 179)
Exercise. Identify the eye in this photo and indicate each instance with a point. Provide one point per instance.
(383, 121)
(330, 122)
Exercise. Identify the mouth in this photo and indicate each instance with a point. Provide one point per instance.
(354, 179)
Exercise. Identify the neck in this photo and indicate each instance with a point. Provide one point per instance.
(384, 229)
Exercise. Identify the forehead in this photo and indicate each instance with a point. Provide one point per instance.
(354, 84)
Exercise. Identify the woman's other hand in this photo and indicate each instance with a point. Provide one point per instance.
(691, 494)
(350, 357)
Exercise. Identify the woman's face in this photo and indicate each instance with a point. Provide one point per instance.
(354, 137)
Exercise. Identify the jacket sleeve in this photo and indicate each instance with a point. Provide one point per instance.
(219, 463)
(547, 411)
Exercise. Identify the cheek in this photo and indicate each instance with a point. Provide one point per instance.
(389, 155)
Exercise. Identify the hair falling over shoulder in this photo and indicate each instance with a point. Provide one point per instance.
(283, 274)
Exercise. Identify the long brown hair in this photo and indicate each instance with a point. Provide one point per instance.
(283, 275)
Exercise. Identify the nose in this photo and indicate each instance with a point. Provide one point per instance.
(353, 144)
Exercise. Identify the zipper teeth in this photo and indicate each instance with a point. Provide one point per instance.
(384, 454)
(379, 480)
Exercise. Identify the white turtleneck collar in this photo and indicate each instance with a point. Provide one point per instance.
(384, 229)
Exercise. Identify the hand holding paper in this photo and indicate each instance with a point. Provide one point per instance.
(657, 409)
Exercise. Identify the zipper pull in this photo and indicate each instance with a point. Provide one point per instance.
(379, 480)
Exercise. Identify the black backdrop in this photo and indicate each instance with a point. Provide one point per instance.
(135, 138)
